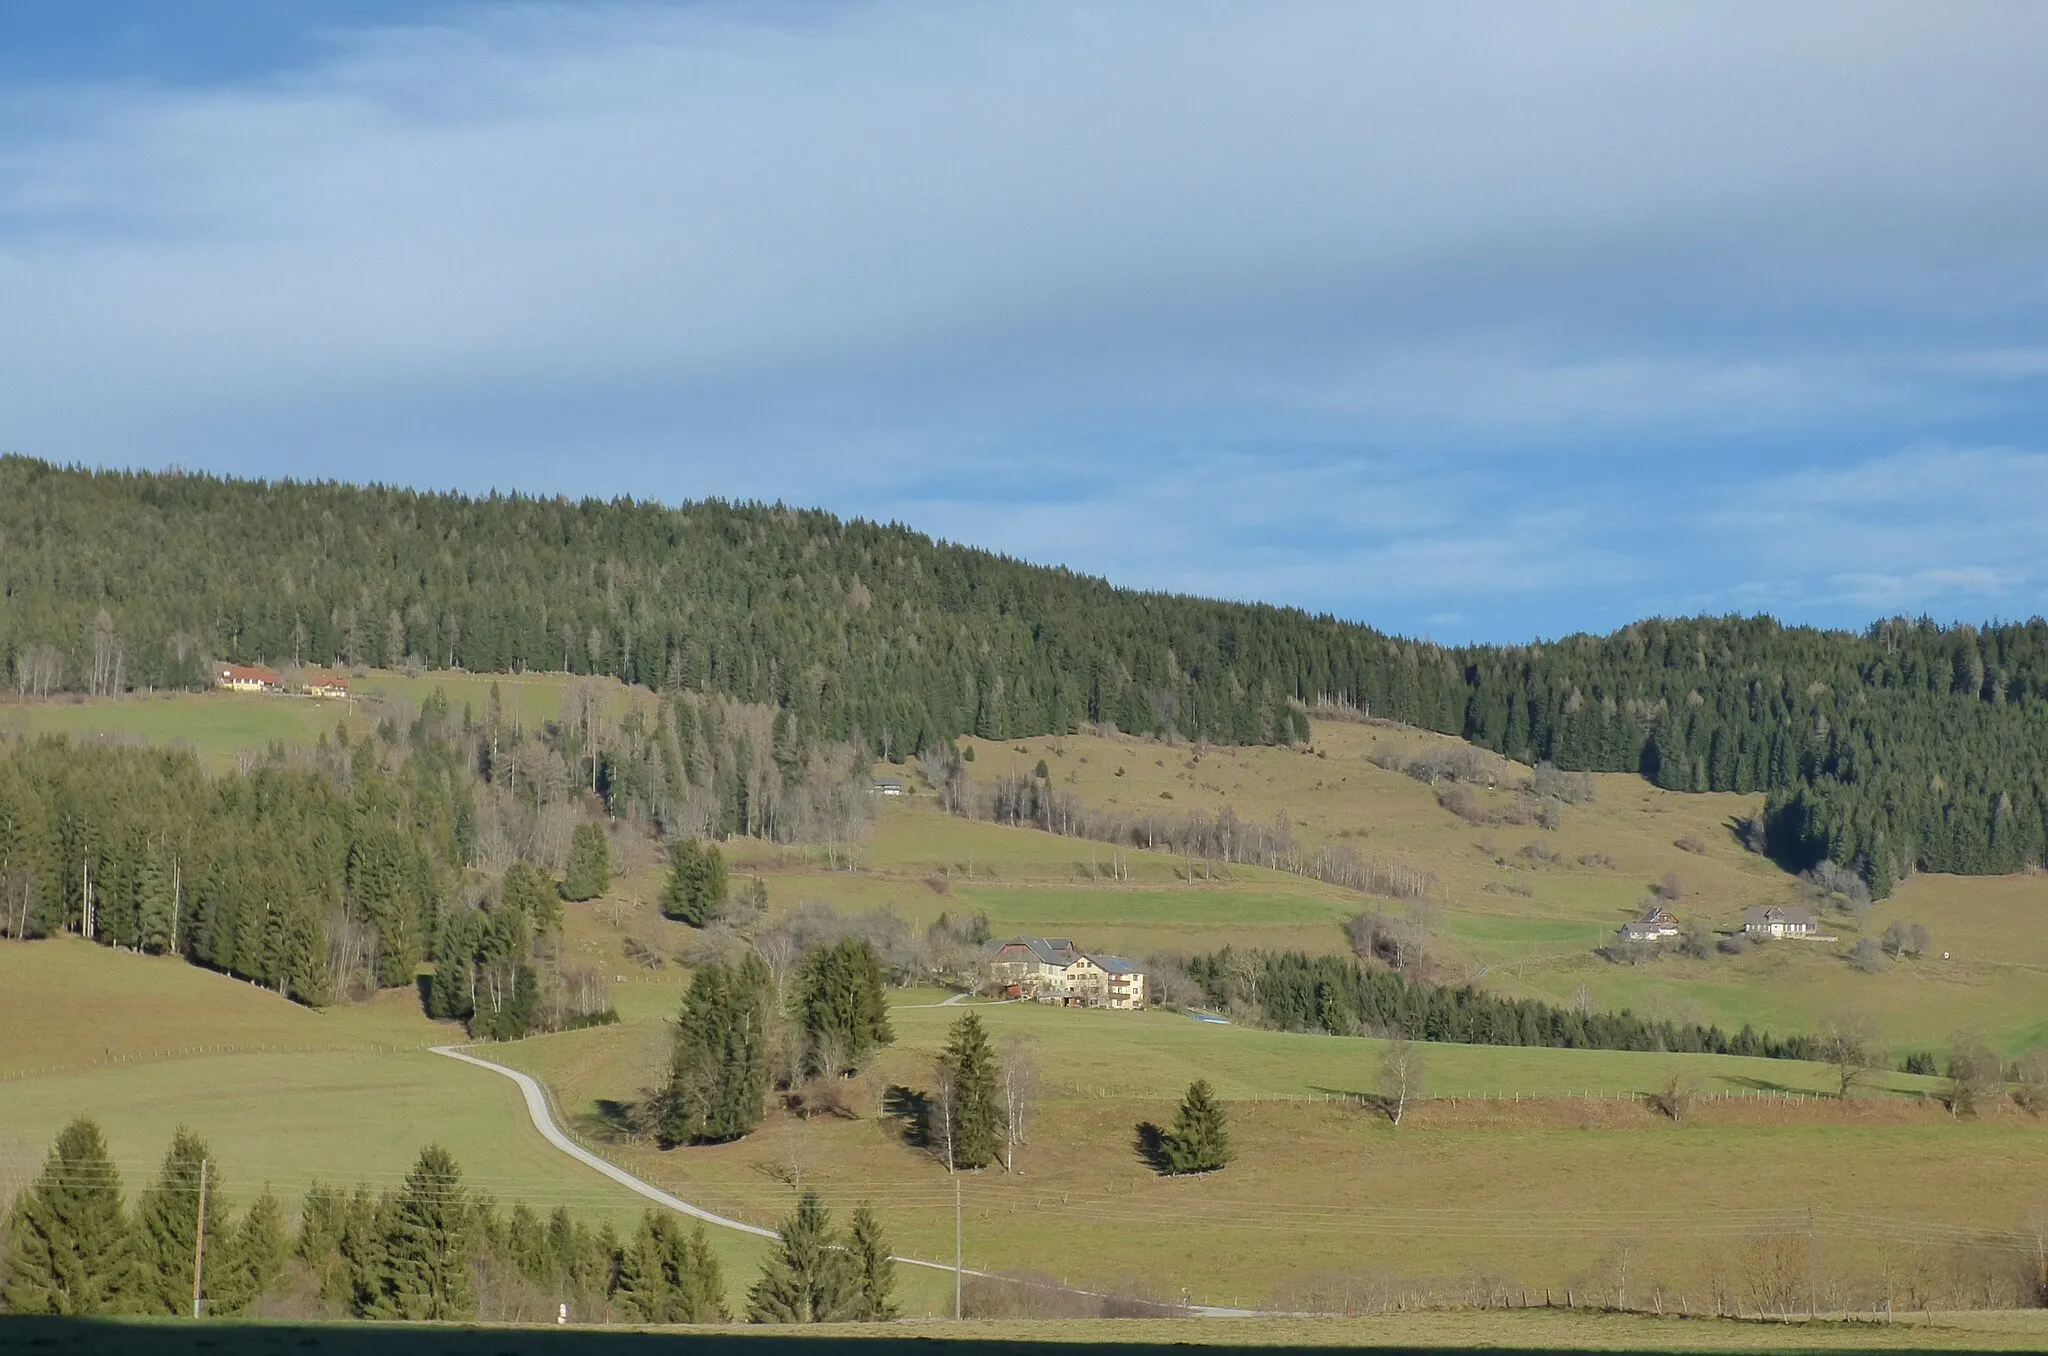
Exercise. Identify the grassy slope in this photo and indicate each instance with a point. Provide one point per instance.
(343, 1095)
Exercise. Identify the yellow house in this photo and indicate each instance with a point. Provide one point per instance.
(1107, 982)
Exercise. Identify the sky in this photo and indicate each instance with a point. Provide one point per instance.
(1473, 321)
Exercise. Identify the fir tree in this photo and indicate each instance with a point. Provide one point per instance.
(1199, 1140)
(972, 1067)
(427, 1242)
(254, 1260)
(70, 1247)
(590, 863)
(874, 1269)
(805, 1279)
(698, 1282)
(841, 1006)
(167, 1216)
(697, 885)
(718, 1072)
(642, 1288)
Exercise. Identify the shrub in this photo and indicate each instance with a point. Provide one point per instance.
(1692, 843)
(1867, 956)
(1460, 801)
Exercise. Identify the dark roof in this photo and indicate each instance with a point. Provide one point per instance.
(1051, 950)
(1116, 965)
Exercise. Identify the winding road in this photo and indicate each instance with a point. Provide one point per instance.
(544, 1121)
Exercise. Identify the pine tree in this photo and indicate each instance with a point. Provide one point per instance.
(873, 1268)
(972, 1066)
(70, 1247)
(698, 1282)
(167, 1216)
(697, 885)
(427, 1242)
(805, 1279)
(590, 863)
(642, 1290)
(255, 1258)
(841, 1005)
(718, 1072)
(1199, 1140)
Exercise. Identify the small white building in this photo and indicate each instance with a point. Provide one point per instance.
(1655, 926)
(1771, 921)
(887, 786)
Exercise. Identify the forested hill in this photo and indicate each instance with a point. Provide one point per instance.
(1908, 745)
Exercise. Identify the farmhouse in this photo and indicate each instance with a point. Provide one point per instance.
(887, 786)
(1030, 967)
(320, 684)
(1107, 982)
(1054, 970)
(1655, 926)
(1772, 921)
(247, 678)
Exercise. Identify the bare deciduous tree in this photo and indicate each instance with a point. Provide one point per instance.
(1847, 1045)
(1403, 1065)
(1017, 1090)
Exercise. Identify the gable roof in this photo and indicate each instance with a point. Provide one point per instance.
(1115, 965)
(1048, 950)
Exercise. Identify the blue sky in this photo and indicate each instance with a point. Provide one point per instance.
(1476, 321)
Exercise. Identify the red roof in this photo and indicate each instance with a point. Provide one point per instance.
(246, 673)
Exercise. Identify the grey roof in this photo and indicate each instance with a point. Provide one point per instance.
(1116, 965)
(1762, 914)
(1050, 950)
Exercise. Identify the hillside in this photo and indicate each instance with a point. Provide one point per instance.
(1907, 747)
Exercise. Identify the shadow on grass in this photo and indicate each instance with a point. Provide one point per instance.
(1150, 1146)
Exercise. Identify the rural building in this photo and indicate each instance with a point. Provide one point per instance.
(1772, 921)
(1030, 967)
(1054, 970)
(887, 786)
(1107, 982)
(247, 678)
(326, 685)
(1655, 926)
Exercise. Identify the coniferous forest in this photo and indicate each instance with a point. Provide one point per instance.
(1909, 746)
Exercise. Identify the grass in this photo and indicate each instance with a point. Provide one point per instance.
(1465, 1330)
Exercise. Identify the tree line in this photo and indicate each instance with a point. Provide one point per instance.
(432, 1249)
(1906, 746)
(1291, 991)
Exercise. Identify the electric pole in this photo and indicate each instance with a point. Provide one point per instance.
(956, 1246)
(199, 1242)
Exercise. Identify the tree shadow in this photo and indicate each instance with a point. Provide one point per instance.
(425, 985)
(1150, 1146)
(913, 1109)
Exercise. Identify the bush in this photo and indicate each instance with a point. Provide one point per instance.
(1573, 788)
(1460, 801)
(1734, 944)
(1692, 843)
(1920, 1062)
(1867, 956)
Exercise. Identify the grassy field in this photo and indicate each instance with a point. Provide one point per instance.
(285, 1096)
(1470, 1330)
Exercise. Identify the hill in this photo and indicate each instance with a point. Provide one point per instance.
(1908, 747)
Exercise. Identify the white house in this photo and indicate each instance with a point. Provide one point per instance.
(1655, 926)
(1772, 921)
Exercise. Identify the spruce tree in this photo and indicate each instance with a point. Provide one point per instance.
(589, 874)
(167, 1217)
(718, 1071)
(70, 1246)
(255, 1259)
(972, 1065)
(427, 1242)
(698, 1282)
(1199, 1140)
(697, 885)
(874, 1270)
(642, 1289)
(841, 1005)
(805, 1279)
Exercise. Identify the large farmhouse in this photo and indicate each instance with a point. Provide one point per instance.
(248, 678)
(1655, 926)
(1054, 970)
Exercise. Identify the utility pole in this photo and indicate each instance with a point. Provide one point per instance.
(957, 1252)
(199, 1241)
